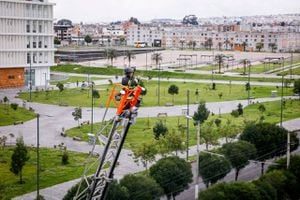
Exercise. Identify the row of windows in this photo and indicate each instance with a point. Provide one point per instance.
(25, 10)
(25, 26)
(23, 42)
(21, 58)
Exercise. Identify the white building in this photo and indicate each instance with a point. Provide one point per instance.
(26, 40)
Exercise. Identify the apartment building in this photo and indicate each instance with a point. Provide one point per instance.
(230, 38)
(26, 42)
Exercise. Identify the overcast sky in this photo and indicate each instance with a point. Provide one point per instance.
(145, 10)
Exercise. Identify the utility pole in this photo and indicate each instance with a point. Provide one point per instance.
(281, 107)
(92, 114)
(249, 87)
(38, 157)
(187, 124)
(197, 167)
(30, 79)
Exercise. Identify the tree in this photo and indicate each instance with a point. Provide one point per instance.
(159, 129)
(209, 133)
(208, 43)
(273, 46)
(156, 57)
(77, 114)
(117, 192)
(88, 39)
(197, 94)
(259, 46)
(60, 86)
(145, 153)
(246, 63)
(14, 106)
(173, 174)
(202, 113)
(194, 43)
(261, 109)
(220, 58)
(173, 89)
(6, 101)
(173, 141)
(3, 140)
(228, 130)
(297, 87)
(230, 191)
(19, 158)
(129, 56)
(268, 139)
(134, 20)
(181, 43)
(247, 86)
(240, 109)
(212, 168)
(244, 45)
(239, 153)
(141, 187)
(141, 83)
(56, 41)
(111, 54)
(95, 95)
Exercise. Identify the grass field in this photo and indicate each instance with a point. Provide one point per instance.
(8, 116)
(295, 71)
(164, 74)
(73, 79)
(52, 171)
(78, 97)
(142, 130)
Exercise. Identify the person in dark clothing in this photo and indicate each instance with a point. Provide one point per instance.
(129, 80)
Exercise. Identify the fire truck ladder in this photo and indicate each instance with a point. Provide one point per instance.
(95, 187)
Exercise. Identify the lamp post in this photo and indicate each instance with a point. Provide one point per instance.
(187, 124)
(38, 157)
(249, 87)
(158, 86)
(30, 79)
(45, 81)
(92, 114)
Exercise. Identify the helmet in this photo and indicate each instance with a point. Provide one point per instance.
(128, 70)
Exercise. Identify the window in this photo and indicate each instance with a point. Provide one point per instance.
(28, 58)
(28, 28)
(34, 44)
(40, 28)
(40, 44)
(11, 77)
(34, 57)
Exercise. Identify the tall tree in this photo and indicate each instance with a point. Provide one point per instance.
(273, 46)
(269, 140)
(77, 114)
(246, 63)
(202, 113)
(297, 87)
(227, 42)
(209, 133)
(208, 43)
(173, 174)
(259, 46)
(220, 59)
(239, 153)
(172, 142)
(159, 129)
(19, 158)
(111, 54)
(129, 56)
(194, 43)
(173, 89)
(145, 153)
(211, 173)
(181, 43)
(88, 39)
(156, 57)
(244, 45)
(141, 187)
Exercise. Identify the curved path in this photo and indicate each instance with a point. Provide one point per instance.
(52, 118)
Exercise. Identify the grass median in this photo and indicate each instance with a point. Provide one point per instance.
(10, 116)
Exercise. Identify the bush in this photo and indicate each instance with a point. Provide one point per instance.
(14, 106)
(65, 158)
(214, 86)
(72, 191)
(235, 113)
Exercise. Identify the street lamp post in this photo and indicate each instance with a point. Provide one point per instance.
(38, 157)
(158, 84)
(197, 167)
(92, 114)
(45, 81)
(187, 124)
(249, 87)
(30, 79)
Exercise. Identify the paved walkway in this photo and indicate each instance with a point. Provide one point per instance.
(50, 126)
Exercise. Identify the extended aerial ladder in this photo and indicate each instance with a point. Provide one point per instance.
(95, 187)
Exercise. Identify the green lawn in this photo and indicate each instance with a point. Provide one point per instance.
(142, 130)
(207, 68)
(261, 68)
(164, 74)
(295, 71)
(73, 79)
(52, 171)
(8, 116)
(78, 97)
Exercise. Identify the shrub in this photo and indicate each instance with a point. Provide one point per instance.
(65, 158)
(14, 106)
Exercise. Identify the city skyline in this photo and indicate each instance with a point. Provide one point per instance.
(92, 11)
